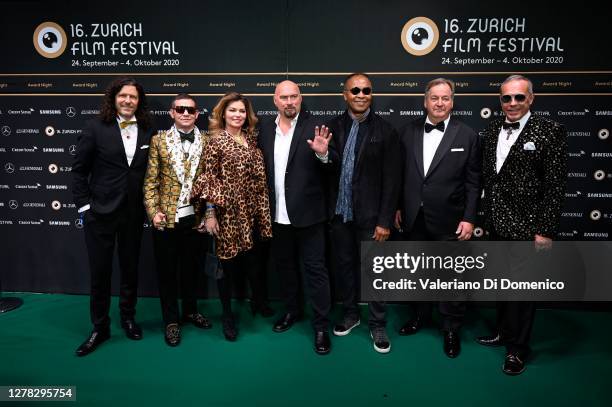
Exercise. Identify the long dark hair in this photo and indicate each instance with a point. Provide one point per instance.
(216, 122)
(108, 112)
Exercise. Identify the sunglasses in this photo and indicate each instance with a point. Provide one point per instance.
(355, 91)
(182, 109)
(520, 98)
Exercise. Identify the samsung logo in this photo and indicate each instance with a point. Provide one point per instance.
(55, 111)
(59, 223)
(601, 155)
(53, 150)
(596, 234)
(598, 195)
(411, 113)
(603, 113)
(57, 187)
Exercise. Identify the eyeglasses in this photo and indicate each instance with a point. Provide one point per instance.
(520, 98)
(182, 109)
(355, 91)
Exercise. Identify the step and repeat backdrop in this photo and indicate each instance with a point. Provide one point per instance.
(58, 57)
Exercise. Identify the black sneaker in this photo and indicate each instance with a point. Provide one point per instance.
(381, 340)
(348, 323)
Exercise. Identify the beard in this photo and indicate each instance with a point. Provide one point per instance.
(290, 113)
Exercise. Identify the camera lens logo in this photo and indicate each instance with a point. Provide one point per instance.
(13, 204)
(599, 175)
(595, 214)
(420, 36)
(50, 40)
(478, 232)
(485, 113)
(56, 205)
(6, 131)
(603, 134)
(49, 131)
(9, 168)
(53, 168)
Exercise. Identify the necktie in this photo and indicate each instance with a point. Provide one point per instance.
(513, 126)
(186, 136)
(126, 123)
(429, 127)
(510, 127)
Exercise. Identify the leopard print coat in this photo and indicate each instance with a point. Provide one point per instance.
(234, 179)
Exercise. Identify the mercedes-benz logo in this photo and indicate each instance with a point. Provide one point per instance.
(6, 131)
(78, 223)
(72, 149)
(13, 204)
(70, 111)
(9, 168)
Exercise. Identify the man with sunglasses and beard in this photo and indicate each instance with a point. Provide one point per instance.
(363, 196)
(524, 176)
(175, 162)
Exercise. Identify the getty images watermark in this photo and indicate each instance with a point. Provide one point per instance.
(486, 271)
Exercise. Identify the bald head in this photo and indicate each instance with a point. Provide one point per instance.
(287, 99)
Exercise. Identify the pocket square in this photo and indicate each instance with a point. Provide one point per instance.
(529, 146)
(457, 149)
(144, 146)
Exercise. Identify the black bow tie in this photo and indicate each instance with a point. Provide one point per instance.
(429, 127)
(513, 126)
(186, 136)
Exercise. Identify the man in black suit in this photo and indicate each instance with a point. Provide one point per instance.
(108, 171)
(364, 189)
(441, 162)
(297, 156)
(524, 175)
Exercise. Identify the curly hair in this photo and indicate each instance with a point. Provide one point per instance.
(216, 121)
(108, 111)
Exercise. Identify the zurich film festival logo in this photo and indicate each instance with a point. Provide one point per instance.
(50, 40)
(420, 36)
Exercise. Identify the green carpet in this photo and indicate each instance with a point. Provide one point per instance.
(570, 364)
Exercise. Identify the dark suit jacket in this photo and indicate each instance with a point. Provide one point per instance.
(305, 174)
(527, 195)
(376, 176)
(450, 190)
(101, 174)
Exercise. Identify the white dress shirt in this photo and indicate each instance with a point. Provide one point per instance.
(282, 144)
(129, 136)
(505, 141)
(431, 141)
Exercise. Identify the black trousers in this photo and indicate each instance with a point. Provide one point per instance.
(514, 318)
(307, 244)
(176, 264)
(122, 228)
(245, 262)
(346, 241)
(452, 312)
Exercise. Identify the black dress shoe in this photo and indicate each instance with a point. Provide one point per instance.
(198, 320)
(491, 340)
(322, 344)
(230, 331)
(132, 329)
(513, 364)
(264, 309)
(452, 344)
(94, 340)
(285, 322)
(411, 327)
(172, 336)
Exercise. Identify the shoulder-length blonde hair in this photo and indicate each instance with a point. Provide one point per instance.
(216, 120)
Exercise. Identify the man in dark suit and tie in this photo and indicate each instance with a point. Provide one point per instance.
(441, 162)
(108, 172)
(363, 195)
(524, 175)
(297, 156)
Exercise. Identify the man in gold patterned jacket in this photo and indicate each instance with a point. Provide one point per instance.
(175, 162)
